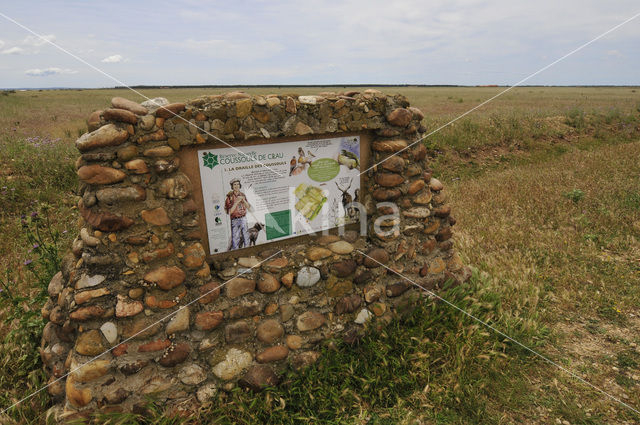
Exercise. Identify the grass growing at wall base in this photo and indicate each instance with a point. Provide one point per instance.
(433, 363)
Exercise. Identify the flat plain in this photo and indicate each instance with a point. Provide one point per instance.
(545, 185)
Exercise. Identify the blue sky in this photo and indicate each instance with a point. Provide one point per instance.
(318, 42)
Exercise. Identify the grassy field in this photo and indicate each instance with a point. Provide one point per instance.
(545, 184)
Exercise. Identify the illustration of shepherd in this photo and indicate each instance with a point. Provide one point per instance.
(236, 205)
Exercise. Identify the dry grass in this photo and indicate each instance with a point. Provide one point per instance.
(544, 184)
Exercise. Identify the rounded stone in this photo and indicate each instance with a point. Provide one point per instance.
(209, 292)
(91, 370)
(307, 276)
(129, 105)
(415, 186)
(166, 277)
(137, 166)
(269, 331)
(239, 286)
(170, 110)
(179, 322)
(259, 377)
(93, 122)
(90, 343)
(206, 392)
(158, 152)
(287, 279)
(126, 153)
(209, 320)
(294, 342)
(348, 304)
(273, 354)
(107, 135)
(77, 397)
(122, 115)
(234, 363)
(112, 195)
(192, 374)
(400, 117)
(363, 317)
(178, 187)
(304, 359)
(389, 179)
(174, 355)
(310, 320)
(55, 285)
(435, 185)
(341, 247)
(156, 345)
(237, 332)
(316, 253)
(97, 174)
(395, 164)
(268, 283)
(389, 145)
(155, 103)
(194, 256)
(344, 268)
(376, 257)
(126, 308)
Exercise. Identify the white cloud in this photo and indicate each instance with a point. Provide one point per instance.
(113, 59)
(225, 49)
(1, 44)
(48, 71)
(614, 53)
(34, 41)
(13, 51)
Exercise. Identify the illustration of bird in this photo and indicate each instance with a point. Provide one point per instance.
(348, 159)
(302, 158)
(292, 165)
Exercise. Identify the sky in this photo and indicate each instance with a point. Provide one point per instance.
(464, 42)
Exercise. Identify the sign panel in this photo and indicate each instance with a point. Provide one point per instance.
(277, 191)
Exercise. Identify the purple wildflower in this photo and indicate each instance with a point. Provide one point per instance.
(36, 246)
(34, 214)
(27, 262)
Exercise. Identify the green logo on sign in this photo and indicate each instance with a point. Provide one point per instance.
(210, 160)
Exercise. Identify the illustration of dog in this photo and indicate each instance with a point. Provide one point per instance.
(253, 233)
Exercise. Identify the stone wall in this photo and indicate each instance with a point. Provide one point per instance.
(241, 319)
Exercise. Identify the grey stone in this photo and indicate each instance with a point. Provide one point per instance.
(234, 363)
(155, 103)
(307, 276)
(192, 374)
(110, 332)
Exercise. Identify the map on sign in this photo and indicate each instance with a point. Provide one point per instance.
(277, 191)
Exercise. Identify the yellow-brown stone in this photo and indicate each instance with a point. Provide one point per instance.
(137, 166)
(129, 105)
(107, 135)
(97, 174)
(243, 107)
(90, 343)
(194, 256)
(122, 115)
(77, 397)
(83, 297)
(166, 277)
(415, 186)
(273, 354)
(389, 145)
(400, 117)
(156, 217)
(268, 283)
(91, 371)
(239, 286)
(169, 111)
